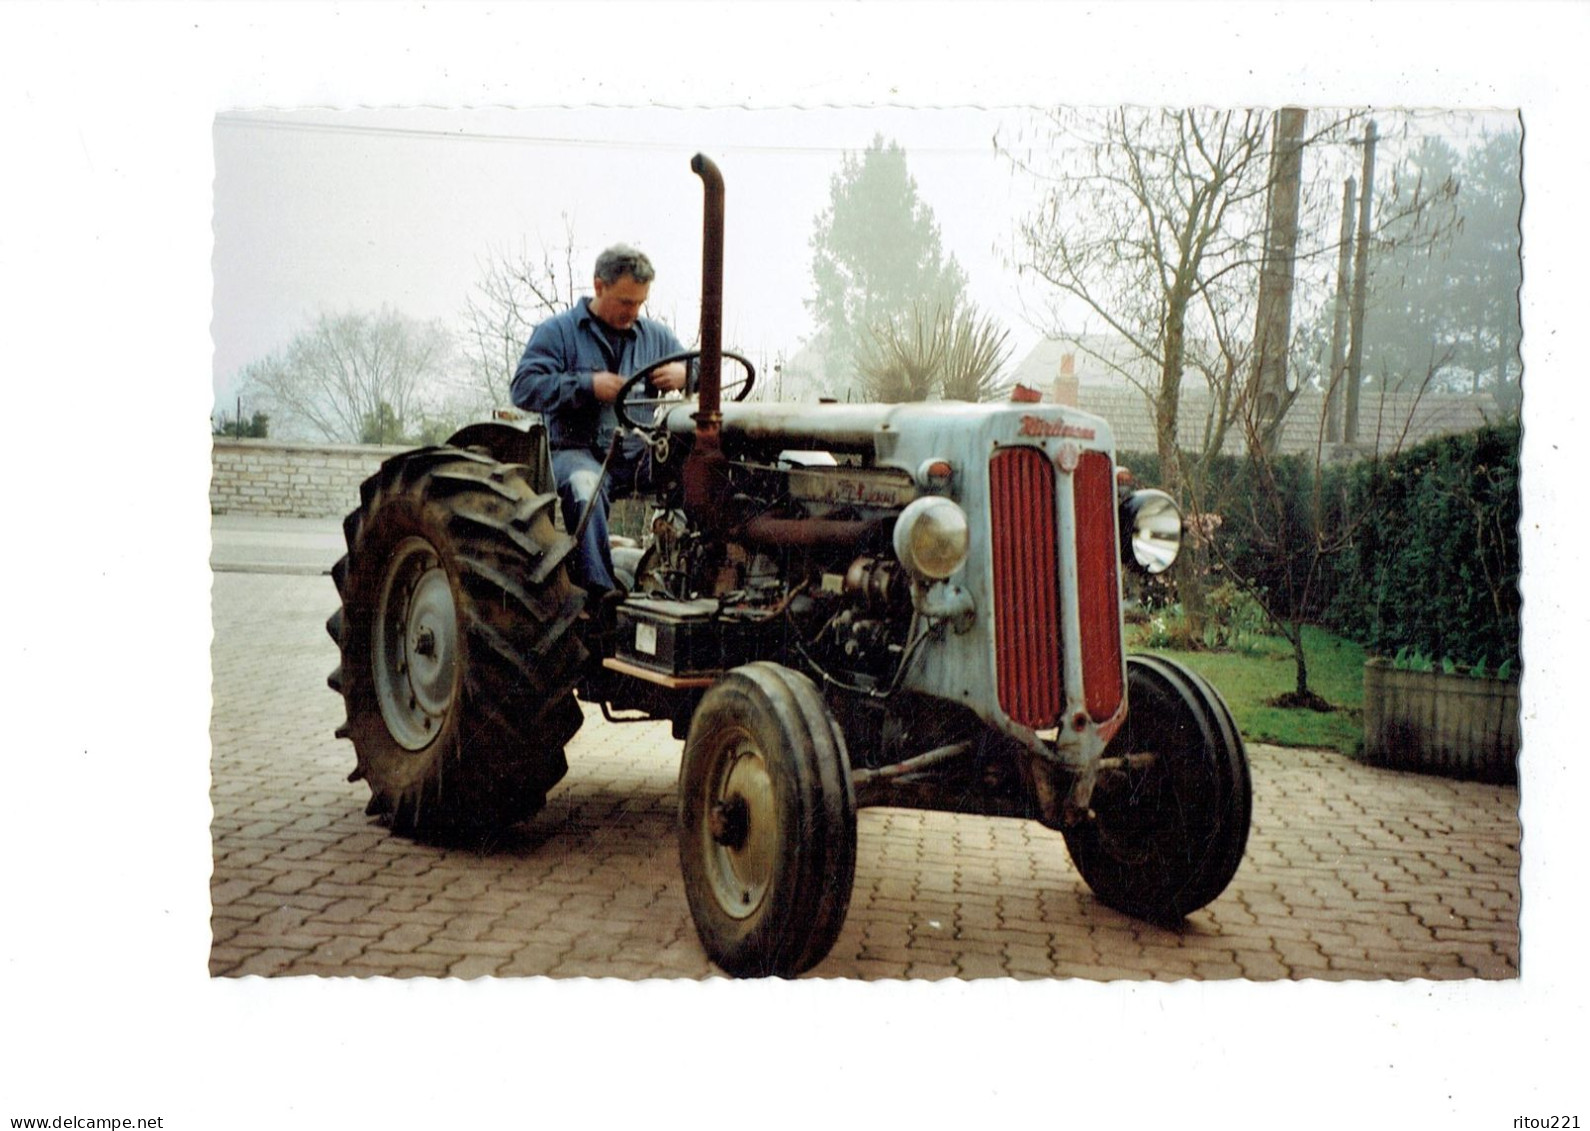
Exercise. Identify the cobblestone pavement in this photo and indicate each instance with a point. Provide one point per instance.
(1351, 873)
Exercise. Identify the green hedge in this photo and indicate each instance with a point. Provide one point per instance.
(1438, 571)
(1247, 531)
(1431, 562)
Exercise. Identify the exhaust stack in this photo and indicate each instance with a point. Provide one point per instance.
(711, 363)
(705, 482)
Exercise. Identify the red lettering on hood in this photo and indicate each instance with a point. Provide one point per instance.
(1038, 426)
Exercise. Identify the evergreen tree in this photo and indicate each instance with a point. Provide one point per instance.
(1451, 305)
(876, 255)
(256, 427)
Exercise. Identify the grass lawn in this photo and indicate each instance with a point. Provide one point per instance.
(1263, 669)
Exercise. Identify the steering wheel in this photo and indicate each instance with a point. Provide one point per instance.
(732, 390)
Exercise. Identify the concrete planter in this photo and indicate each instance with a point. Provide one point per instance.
(1459, 725)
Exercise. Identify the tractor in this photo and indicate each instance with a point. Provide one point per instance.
(836, 606)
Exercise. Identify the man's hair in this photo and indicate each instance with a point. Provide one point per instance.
(620, 260)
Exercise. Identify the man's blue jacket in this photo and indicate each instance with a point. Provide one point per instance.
(554, 375)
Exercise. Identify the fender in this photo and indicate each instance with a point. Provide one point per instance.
(521, 441)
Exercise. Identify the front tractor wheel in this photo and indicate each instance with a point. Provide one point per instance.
(767, 823)
(1170, 812)
(458, 650)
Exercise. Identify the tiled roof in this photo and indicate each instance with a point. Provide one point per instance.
(1104, 369)
(1385, 423)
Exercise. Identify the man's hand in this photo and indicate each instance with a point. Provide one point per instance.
(670, 378)
(606, 386)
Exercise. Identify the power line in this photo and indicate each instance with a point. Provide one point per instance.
(1467, 122)
(437, 134)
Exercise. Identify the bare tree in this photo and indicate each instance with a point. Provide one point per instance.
(514, 293)
(1148, 219)
(1274, 387)
(349, 370)
(1283, 512)
(1153, 222)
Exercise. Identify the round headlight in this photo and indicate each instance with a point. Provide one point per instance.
(1151, 529)
(931, 537)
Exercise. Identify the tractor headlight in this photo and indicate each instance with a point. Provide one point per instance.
(931, 537)
(1150, 530)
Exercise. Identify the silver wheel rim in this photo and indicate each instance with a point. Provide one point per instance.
(415, 645)
(740, 863)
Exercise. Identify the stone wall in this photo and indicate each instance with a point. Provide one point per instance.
(278, 477)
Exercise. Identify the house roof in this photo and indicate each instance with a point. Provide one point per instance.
(1103, 370)
(1096, 359)
(1387, 422)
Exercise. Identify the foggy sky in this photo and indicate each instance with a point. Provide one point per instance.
(328, 211)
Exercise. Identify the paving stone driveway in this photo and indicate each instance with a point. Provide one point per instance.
(1351, 872)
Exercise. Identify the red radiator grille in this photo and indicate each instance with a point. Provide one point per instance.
(1098, 584)
(1026, 586)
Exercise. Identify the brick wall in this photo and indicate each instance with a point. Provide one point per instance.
(278, 477)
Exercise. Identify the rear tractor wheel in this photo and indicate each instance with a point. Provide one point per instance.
(459, 653)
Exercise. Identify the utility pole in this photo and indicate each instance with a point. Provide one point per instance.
(1274, 330)
(1355, 353)
(1333, 388)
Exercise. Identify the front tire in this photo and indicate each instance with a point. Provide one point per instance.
(767, 823)
(1171, 810)
(459, 653)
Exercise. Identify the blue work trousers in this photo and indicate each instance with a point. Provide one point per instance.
(579, 476)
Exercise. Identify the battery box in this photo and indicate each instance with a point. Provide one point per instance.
(683, 638)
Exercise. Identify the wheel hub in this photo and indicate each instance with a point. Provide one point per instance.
(729, 822)
(741, 827)
(415, 645)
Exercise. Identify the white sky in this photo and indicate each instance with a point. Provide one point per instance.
(320, 210)
(106, 199)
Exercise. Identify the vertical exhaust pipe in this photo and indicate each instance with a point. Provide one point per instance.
(705, 475)
(705, 480)
(711, 362)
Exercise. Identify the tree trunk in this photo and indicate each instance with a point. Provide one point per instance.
(1334, 390)
(1194, 563)
(1355, 353)
(1167, 407)
(1300, 661)
(1274, 330)
(1192, 586)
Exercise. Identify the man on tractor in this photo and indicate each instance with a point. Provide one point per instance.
(571, 373)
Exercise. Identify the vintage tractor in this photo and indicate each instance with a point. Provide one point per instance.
(838, 605)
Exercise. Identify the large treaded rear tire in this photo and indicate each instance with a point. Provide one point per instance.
(1167, 836)
(458, 642)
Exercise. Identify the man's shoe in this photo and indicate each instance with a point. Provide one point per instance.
(603, 607)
